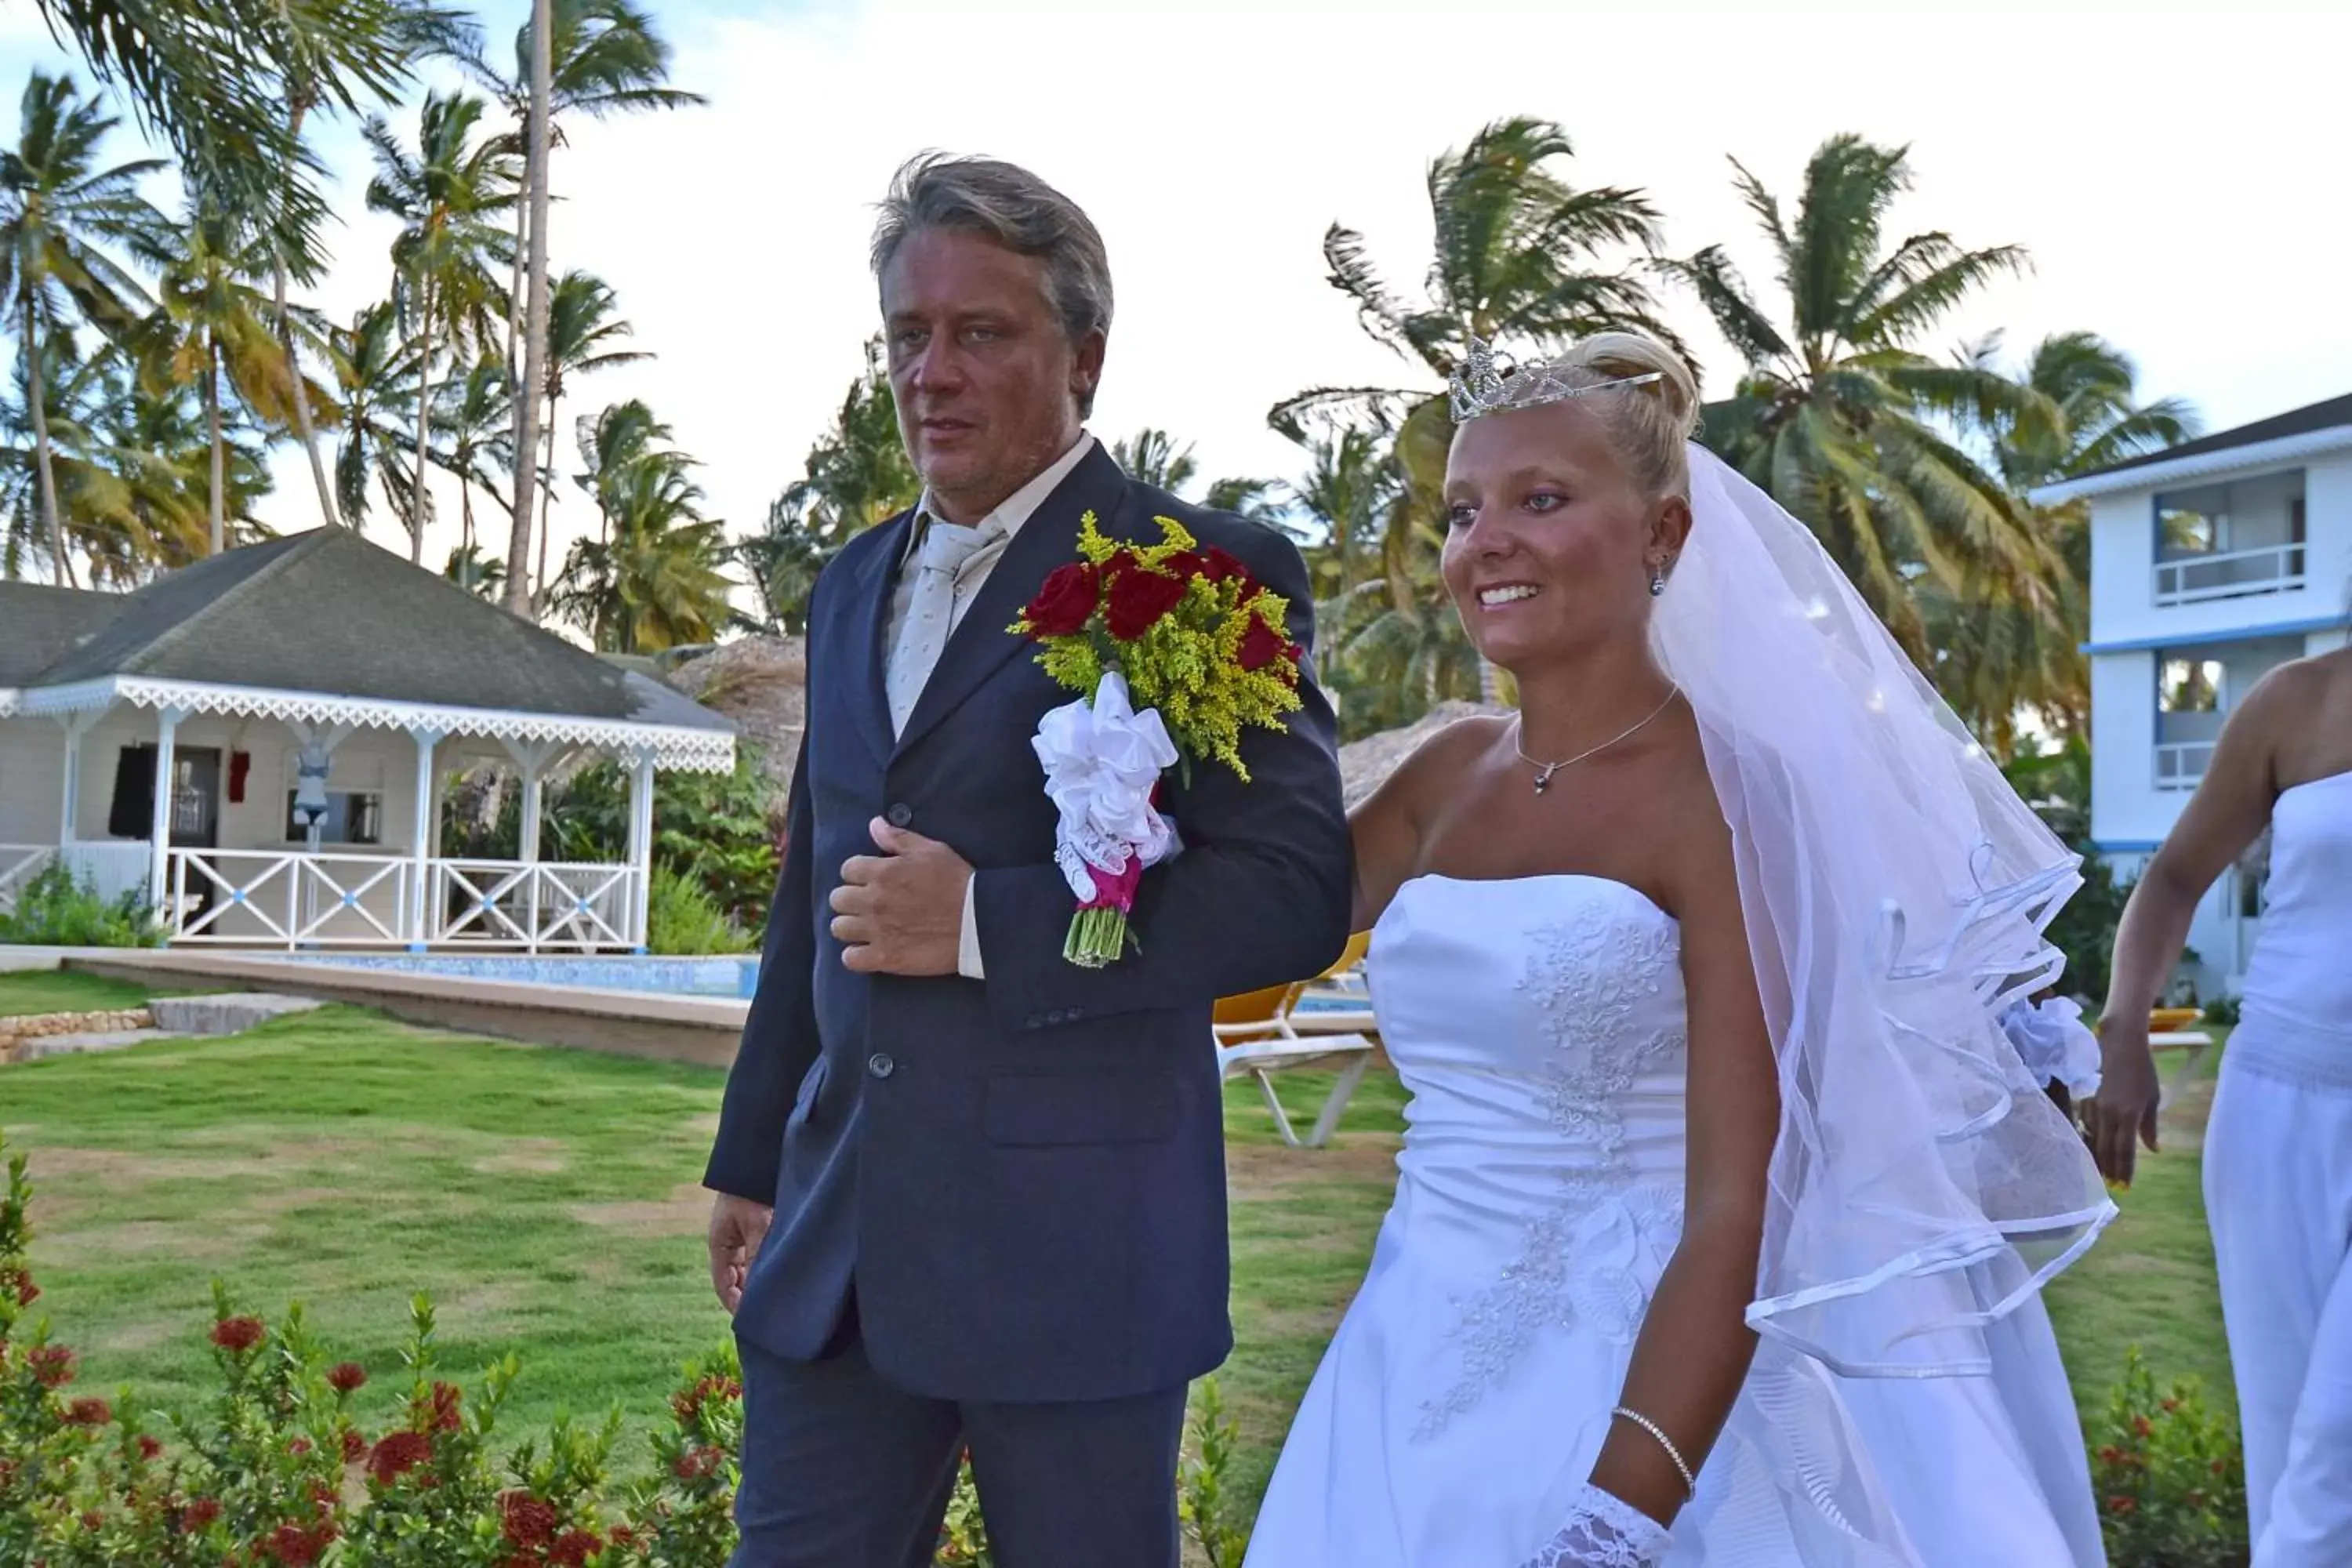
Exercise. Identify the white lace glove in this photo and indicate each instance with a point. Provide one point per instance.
(1603, 1531)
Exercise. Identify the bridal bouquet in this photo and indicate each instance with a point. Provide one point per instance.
(1173, 651)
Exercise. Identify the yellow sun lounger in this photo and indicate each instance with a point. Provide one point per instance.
(1325, 1021)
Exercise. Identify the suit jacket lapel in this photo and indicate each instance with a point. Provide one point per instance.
(867, 624)
(980, 645)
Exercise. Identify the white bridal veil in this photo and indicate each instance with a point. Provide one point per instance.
(1896, 890)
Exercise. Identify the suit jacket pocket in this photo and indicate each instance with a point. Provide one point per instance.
(1033, 1110)
(805, 1102)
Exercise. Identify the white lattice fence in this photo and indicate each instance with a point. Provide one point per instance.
(532, 906)
(19, 864)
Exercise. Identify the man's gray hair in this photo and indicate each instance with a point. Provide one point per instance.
(1007, 203)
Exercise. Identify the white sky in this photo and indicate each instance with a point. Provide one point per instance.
(2180, 180)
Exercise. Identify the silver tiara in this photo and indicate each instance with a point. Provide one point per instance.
(1484, 385)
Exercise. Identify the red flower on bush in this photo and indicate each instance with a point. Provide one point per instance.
(525, 1519)
(2119, 1503)
(2142, 1426)
(446, 1400)
(299, 1546)
(299, 1447)
(199, 1514)
(148, 1447)
(92, 1520)
(355, 1447)
(696, 1463)
(348, 1377)
(623, 1535)
(687, 1406)
(88, 1413)
(238, 1334)
(399, 1453)
(52, 1365)
(573, 1548)
(1064, 605)
(16, 1282)
(1137, 599)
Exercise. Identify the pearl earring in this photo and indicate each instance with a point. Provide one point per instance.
(1657, 581)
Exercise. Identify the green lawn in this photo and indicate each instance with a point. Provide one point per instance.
(58, 991)
(547, 1200)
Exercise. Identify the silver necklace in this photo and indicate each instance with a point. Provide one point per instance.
(1545, 770)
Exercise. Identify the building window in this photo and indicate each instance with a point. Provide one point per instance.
(2188, 691)
(2229, 540)
(353, 817)
(2191, 685)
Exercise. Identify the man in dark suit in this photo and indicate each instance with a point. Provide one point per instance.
(970, 1192)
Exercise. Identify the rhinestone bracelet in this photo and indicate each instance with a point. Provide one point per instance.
(1690, 1482)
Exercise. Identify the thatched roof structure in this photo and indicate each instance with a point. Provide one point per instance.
(1364, 764)
(761, 683)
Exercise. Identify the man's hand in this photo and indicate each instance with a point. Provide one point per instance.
(2127, 1101)
(738, 1226)
(901, 911)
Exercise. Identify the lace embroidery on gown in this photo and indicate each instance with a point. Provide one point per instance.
(1585, 1255)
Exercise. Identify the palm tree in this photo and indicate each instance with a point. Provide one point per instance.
(1347, 493)
(375, 379)
(333, 58)
(653, 578)
(583, 332)
(601, 58)
(2075, 409)
(1838, 413)
(448, 198)
(470, 569)
(1151, 456)
(57, 208)
(212, 323)
(1522, 260)
(475, 416)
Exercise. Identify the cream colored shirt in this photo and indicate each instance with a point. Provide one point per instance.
(999, 525)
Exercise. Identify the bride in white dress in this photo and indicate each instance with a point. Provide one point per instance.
(2278, 1148)
(1723, 1199)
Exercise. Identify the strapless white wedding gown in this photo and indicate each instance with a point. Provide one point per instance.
(2278, 1189)
(1538, 1024)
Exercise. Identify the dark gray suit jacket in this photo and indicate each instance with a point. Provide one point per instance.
(1023, 1178)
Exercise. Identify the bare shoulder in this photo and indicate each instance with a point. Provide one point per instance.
(1441, 759)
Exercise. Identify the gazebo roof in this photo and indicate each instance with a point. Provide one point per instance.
(325, 627)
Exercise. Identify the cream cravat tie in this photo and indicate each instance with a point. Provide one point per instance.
(930, 614)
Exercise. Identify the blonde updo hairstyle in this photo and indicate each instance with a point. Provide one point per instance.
(1652, 423)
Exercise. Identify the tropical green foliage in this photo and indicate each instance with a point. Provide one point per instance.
(54, 909)
(655, 575)
(682, 917)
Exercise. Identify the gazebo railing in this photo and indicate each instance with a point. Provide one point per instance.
(19, 864)
(268, 898)
(293, 898)
(531, 905)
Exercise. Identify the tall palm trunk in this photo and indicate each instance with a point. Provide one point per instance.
(303, 429)
(424, 428)
(519, 597)
(517, 304)
(218, 536)
(546, 493)
(35, 384)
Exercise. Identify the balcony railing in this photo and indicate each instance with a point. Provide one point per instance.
(2180, 765)
(19, 864)
(2235, 573)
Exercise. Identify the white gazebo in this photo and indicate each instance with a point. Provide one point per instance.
(258, 744)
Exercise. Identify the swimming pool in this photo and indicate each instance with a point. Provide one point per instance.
(735, 977)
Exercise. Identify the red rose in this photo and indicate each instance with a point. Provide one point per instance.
(1138, 599)
(1187, 565)
(238, 1334)
(1065, 602)
(1217, 565)
(348, 1377)
(1261, 645)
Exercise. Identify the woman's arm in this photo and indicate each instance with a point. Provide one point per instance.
(1694, 1345)
(2231, 803)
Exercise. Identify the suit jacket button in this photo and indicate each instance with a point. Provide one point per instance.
(900, 814)
(880, 1065)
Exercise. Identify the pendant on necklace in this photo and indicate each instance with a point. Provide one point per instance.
(1543, 778)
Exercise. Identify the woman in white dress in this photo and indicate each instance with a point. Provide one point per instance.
(2278, 1149)
(1695, 972)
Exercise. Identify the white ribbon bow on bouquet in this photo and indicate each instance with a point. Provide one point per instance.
(1102, 760)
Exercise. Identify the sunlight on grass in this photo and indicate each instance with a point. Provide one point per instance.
(56, 991)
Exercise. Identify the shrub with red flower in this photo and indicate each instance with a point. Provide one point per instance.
(52, 1365)
(198, 1515)
(88, 1413)
(347, 1377)
(239, 1335)
(355, 1446)
(397, 1454)
(2168, 1476)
